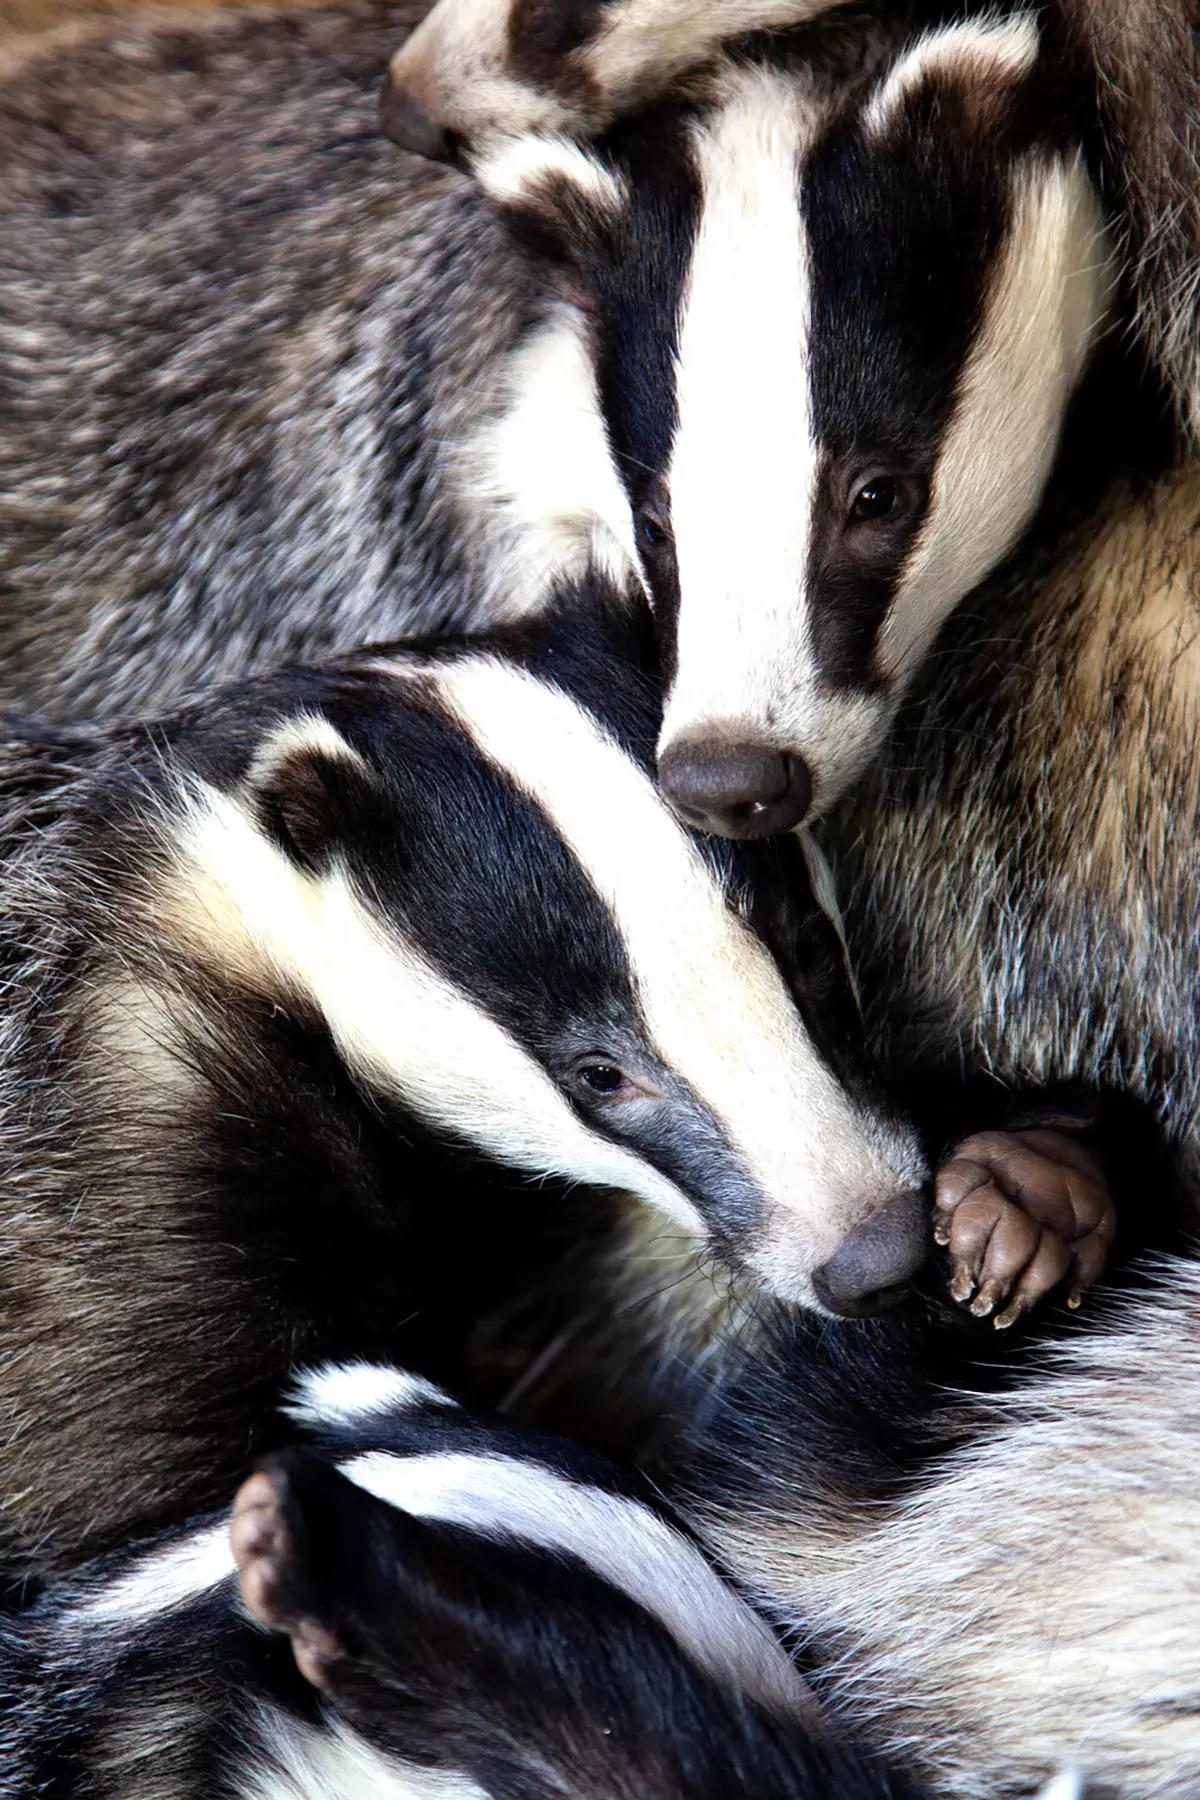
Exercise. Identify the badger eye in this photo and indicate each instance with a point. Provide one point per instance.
(599, 1077)
(652, 534)
(878, 499)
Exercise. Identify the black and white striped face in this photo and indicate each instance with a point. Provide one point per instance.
(508, 934)
(834, 340)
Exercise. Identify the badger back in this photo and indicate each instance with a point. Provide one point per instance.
(835, 339)
(458, 860)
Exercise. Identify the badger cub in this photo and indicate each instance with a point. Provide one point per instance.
(464, 1609)
(322, 995)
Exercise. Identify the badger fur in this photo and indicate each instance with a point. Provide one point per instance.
(992, 1589)
(322, 995)
(475, 1612)
(475, 68)
(266, 382)
(877, 265)
(285, 451)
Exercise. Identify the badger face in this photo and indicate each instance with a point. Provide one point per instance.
(509, 934)
(834, 341)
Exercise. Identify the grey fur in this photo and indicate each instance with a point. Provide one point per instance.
(1019, 873)
(1036, 1602)
(242, 339)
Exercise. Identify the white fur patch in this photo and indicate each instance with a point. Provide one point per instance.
(744, 463)
(994, 52)
(159, 1581)
(304, 1763)
(347, 1393)
(714, 1003)
(622, 1542)
(511, 171)
(544, 471)
(1045, 304)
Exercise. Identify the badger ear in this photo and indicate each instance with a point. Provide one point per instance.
(555, 196)
(304, 783)
(977, 66)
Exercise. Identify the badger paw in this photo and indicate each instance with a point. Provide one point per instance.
(1019, 1212)
(263, 1533)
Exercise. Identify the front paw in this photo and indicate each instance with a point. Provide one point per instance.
(1019, 1212)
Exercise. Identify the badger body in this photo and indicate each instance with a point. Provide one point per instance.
(325, 996)
(991, 1589)
(258, 367)
(473, 1589)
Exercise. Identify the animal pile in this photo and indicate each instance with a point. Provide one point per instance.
(599, 1063)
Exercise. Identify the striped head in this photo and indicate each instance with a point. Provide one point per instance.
(835, 321)
(457, 859)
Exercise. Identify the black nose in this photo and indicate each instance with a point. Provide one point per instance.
(872, 1264)
(736, 790)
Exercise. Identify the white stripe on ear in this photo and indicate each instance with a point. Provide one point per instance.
(990, 52)
(623, 1542)
(159, 1581)
(347, 1393)
(330, 1762)
(521, 172)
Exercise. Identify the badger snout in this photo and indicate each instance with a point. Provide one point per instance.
(875, 1261)
(740, 790)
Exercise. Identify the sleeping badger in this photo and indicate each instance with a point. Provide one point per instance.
(454, 1609)
(325, 995)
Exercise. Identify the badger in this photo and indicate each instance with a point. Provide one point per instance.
(351, 975)
(284, 450)
(877, 265)
(474, 68)
(417, 1601)
(992, 1587)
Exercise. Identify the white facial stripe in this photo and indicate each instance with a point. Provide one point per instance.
(348, 1393)
(714, 1003)
(1047, 300)
(622, 1542)
(993, 52)
(544, 470)
(396, 1020)
(743, 464)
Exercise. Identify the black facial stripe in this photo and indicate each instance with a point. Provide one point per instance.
(475, 874)
(903, 230)
(634, 275)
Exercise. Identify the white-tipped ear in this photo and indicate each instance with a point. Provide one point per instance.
(552, 189)
(299, 784)
(983, 59)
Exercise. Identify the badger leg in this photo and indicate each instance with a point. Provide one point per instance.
(1019, 1212)
(267, 1532)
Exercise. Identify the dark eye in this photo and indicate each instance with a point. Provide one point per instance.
(652, 534)
(877, 499)
(603, 1078)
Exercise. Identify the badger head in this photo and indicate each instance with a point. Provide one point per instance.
(833, 337)
(469, 874)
